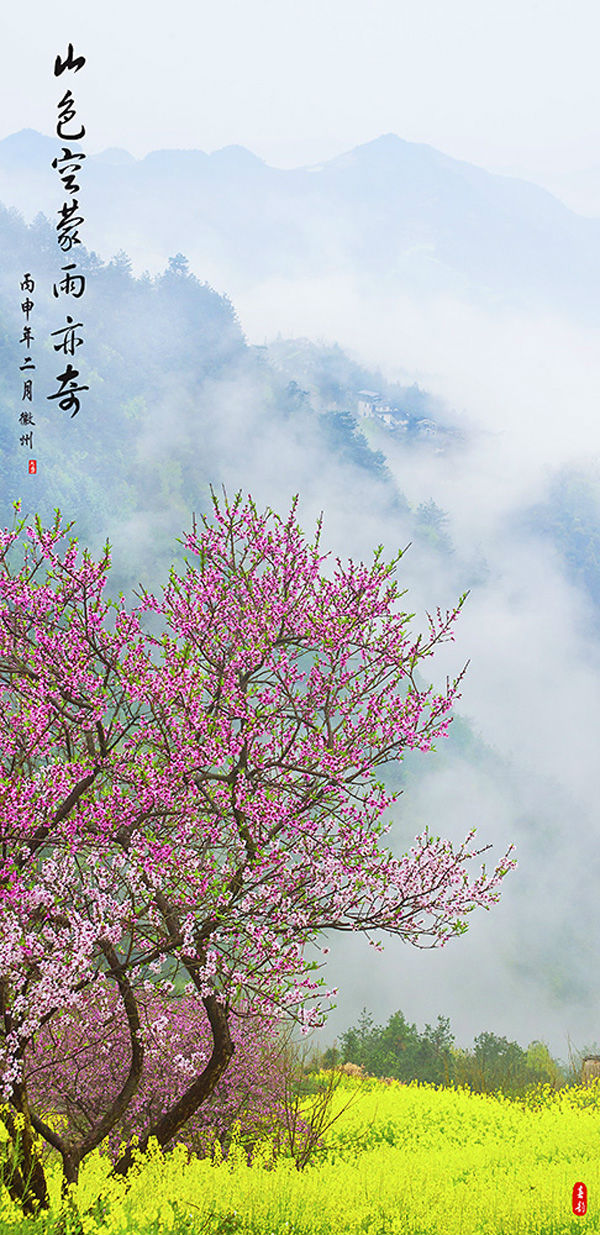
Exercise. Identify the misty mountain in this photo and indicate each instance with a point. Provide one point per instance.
(569, 519)
(579, 190)
(399, 215)
(335, 379)
(170, 378)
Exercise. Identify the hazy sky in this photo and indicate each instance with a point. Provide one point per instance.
(511, 86)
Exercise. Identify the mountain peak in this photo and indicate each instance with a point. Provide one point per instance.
(25, 147)
(238, 156)
(389, 149)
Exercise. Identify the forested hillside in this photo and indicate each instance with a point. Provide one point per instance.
(174, 391)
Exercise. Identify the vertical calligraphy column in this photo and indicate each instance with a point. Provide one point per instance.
(68, 165)
(27, 286)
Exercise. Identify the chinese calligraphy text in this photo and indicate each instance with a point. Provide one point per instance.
(68, 165)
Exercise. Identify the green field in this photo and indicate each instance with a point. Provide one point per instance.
(411, 1160)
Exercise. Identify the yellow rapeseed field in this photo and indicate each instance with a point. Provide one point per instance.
(402, 1160)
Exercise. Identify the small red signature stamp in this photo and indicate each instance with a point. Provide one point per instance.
(32, 467)
(579, 1199)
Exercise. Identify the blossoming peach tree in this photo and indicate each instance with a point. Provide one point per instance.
(79, 1061)
(188, 799)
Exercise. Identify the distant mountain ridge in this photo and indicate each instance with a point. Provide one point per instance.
(394, 214)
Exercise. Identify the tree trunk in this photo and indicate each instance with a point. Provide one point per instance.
(70, 1163)
(166, 1127)
(22, 1172)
